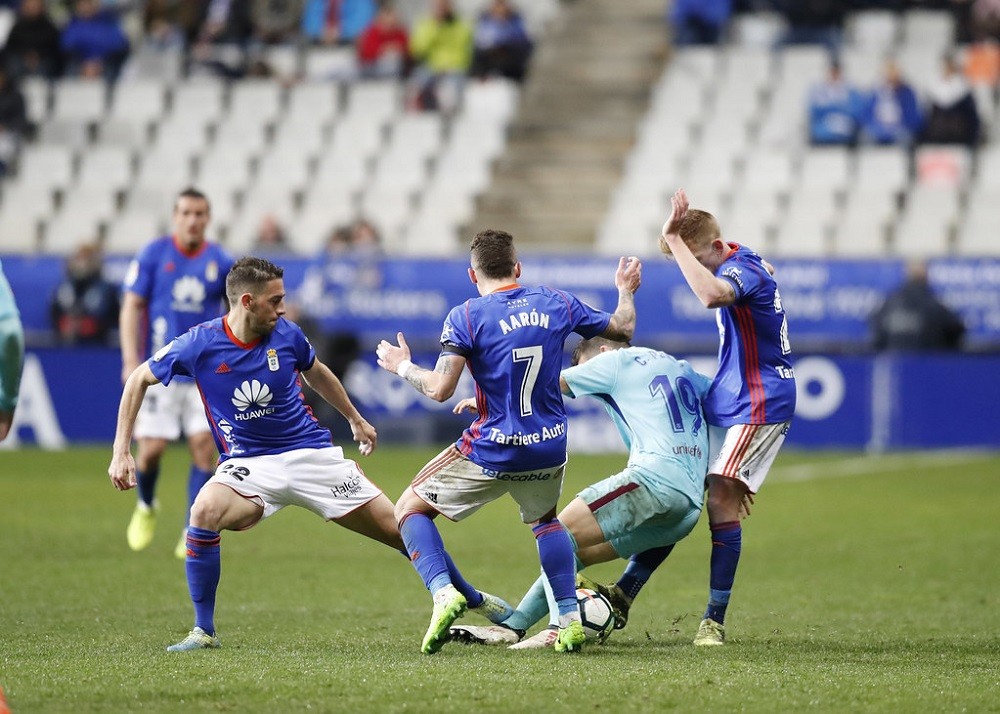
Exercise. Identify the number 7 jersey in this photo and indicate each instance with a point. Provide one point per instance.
(512, 340)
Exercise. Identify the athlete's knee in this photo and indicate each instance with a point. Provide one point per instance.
(724, 498)
(408, 504)
(208, 510)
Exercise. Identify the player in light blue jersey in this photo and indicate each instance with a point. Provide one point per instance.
(753, 393)
(655, 401)
(511, 338)
(11, 355)
(248, 367)
(175, 283)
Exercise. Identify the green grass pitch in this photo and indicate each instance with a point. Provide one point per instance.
(868, 583)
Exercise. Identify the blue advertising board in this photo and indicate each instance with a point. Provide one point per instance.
(883, 402)
(828, 302)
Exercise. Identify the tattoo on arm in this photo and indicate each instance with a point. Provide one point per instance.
(416, 377)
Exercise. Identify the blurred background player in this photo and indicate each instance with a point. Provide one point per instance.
(753, 393)
(275, 452)
(650, 505)
(175, 283)
(512, 339)
(11, 355)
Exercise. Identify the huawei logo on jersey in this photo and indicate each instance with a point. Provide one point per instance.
(251, 393)
(188, 294)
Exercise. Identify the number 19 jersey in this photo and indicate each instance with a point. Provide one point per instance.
(512, 340)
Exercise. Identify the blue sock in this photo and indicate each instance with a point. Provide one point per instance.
(472, 596)
(146, 484)
(640, 567)
(532, 608)
(555, 550)
(196, 479)
(426, 549)
(727, 540)
(204, 568)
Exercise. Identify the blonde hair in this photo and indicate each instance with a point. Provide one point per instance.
(697, 228)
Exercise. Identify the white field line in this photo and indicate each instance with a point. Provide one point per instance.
(877, 463)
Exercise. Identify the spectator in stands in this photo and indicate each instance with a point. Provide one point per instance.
(912, 318)
(952, 117)
(811, 22)
(13, 120)
(834, 110)
(33, 47)
(501, 43)
(365, 239)
(84, 307)
(271, 238)
(699, 22)
(985, 19)
(383, 46)
(331, 22)
(892, 113)
(93, 41)
(442, 45)
(275, 21)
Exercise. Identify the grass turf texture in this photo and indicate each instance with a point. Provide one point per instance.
(867, 584)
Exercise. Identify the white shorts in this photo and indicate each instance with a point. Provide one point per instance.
(747, 452)
(456, 488)
(170, 409)
(320, 480)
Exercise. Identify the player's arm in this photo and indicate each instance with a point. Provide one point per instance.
(326, 384)
(712, 291)
(628, 278)
(565, 388)
(129, 325)
(122, 468)
(439, 384)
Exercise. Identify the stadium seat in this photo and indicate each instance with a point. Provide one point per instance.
(129, 231)
(313, 102)
(862, 229)
(977, 235)
(804, 230)
(827, 169)
(46, 167)
(203, 98)
(925, 226)
(124, 133)
(374, 102)
(864, 66)
(110, 167)
(933, 31)
(768, 170)
(875, 31)
(37, 98)
(944, 166)
(326, 64)
(417, 134)
(79, 99)
(882, 169)
(493, 101)
(254, 102)
(340, 174)
(21, 231)
(72, 133)
(758, 30)
(139, 101)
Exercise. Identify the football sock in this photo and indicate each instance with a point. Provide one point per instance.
(555, 550)
(204, 568)
(640, 567)
(727, 540)
(196, 479)
(145, 481)
(473, 597)
(426, 549)
(531, 609)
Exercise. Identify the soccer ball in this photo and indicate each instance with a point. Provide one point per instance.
(596, 614)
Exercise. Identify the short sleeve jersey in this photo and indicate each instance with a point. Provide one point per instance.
(252, 391)
(655, 402)
(181, 289)
(755, 383)
(513, 341)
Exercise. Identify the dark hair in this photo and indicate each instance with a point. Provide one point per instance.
(250, 274)
(192, 192)
(493, 254)
(587, 348)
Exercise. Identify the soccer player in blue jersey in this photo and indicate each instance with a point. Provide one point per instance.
(753, 393)
(248, 367)
(511, 338)
(655, 401)
(11, 355)
(175, 283)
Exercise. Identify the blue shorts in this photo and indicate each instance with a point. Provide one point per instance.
(635, 518)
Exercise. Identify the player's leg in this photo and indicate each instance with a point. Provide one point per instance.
(739, 469)
(376, 520)
(218, 507)
(202, 448)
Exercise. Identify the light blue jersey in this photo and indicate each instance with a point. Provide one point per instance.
(252, 391)
(656, 403)
(11, 347)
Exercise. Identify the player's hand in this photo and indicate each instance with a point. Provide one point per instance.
(629, 274)
(122, 471)
(390, 356)
(366, 436)
(466, 405)
(745, 504)
(7, 419)
(678, 209)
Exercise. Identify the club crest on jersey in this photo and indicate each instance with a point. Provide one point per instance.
(212, 271)
(272, 360)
